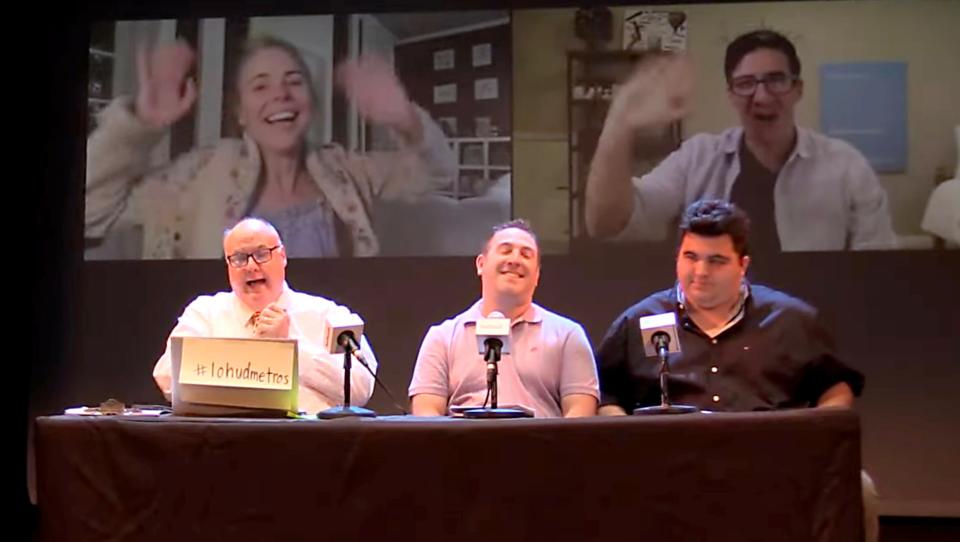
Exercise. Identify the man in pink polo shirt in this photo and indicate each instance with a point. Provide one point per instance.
(550, 367)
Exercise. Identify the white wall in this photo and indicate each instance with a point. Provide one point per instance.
(210, 99)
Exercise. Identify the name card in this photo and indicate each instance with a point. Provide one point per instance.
(239, 363)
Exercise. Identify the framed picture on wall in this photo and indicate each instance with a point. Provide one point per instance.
(486, 89)
(482, 54)
(647, 30)
(445, 94)
(443, 59)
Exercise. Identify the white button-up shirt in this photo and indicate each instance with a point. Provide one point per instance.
(826, 196)
(321, 373)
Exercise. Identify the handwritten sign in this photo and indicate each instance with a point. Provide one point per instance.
(239, 363)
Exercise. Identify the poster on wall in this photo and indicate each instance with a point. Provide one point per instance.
(865, 104)
(486, 89)
(443, 60)
(647, 30)
(482, 55)
(445, 94)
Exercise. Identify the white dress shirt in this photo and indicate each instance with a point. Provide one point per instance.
(321, 373)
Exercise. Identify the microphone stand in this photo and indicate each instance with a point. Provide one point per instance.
(492, 357)
(662, 342)
(346, 411)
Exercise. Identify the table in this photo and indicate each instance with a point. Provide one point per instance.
(783, 476)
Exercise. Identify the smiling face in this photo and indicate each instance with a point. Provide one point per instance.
(509, 267)
(275, 104)
(256, 284)
(765, 112)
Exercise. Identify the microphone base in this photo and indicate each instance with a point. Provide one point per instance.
(665, 409)
(346, 412)
(496, 413)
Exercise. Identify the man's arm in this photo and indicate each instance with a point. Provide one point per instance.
(428, 404)
(578, 405)
(611, 410)
(428, 387)
(609, 193)
(579, 385)
(194, 322)
(321, 373)
(827, 380)
(838, 395)
(654, 96)
(612, 362)
(871, 226)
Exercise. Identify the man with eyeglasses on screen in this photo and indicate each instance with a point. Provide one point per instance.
(803, 190)
(262, 305)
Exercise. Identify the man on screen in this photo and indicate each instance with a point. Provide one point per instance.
(550, 367)
(802, 190)
(261, 304)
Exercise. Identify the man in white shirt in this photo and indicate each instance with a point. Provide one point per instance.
(802, 190)
(261, 304)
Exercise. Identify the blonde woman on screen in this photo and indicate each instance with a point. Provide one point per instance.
(319, 197)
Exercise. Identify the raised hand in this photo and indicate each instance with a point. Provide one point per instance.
(375, 90)
(657, 93)
(165, 92)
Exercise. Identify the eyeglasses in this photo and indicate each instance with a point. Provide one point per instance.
(776, 83)
(261, 255)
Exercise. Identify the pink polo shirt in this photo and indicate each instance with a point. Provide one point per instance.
(550, 357)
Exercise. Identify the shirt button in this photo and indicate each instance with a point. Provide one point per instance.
(713, 341)
(714, 369)
(716, 398)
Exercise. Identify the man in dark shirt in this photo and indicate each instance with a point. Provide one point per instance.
(744, 346)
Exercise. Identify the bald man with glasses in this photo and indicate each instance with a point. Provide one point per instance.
(802, 190)
(260, 304)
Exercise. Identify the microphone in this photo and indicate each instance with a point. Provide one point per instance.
(342, 331)
(659, 333)
(493, 335)
(493, 339)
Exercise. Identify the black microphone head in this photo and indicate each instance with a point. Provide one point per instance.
(659, 331)
(345, 338)
(660, 339)
(493, 342)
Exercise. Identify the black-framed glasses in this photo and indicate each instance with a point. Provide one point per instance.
(261, 255)
(775, 82)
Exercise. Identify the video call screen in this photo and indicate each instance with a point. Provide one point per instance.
(412, 134)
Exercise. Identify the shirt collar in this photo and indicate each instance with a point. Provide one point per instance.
(804, 146)
(533, 314)
(730, 142)
(681, 305)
